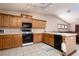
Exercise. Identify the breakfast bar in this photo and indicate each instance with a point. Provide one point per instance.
(67, 42)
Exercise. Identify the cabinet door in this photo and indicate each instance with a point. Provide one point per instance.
(34, 23)
(6, 42)
(37, 38)
(18, 40)
(45, 39)
(48, 39)
(1, 42)
(12, 41)
(13, 22)
(1, 20)
(19, 21)
(43, 24)
(51, 40)
(38, 24)
(6, 20)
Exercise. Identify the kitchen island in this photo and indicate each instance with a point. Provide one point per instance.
(69, 40)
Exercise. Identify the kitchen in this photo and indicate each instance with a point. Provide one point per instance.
(26, 29)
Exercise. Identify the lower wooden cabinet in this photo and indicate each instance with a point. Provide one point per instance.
(10, 41)
(6, 41)
(48, 39)
(17, 40)
(1, 38)
(37, 38)
(51, 40)
(45, 38)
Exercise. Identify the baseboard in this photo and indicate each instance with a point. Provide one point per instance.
(72, 53)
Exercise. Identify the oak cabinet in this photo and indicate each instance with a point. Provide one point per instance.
(4, 20)
(45, 38)
(37, 38)
(51, 40)
(10, 41)
(18, 40)
(19, 21)
(38, 24)
(8, 21)
(48, 39)
(26, 20)
(1, 38)
(6, 41)
(1, 20)
(13, 22)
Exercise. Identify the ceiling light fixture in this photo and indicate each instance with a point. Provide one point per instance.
(68, 11)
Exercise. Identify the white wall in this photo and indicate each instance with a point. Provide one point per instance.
(52, 21)
(72, 25)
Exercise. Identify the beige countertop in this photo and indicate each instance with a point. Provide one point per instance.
(63, 34)
(11, 33)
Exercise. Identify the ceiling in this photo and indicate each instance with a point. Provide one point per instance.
(66, 11)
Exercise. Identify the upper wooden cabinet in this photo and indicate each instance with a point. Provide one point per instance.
(15, 22)
(26, 18)
(9, 21)
(4, 20)
(38, 24)
(19, 21)
(1, 20)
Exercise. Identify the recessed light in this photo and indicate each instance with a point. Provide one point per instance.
(68, 11)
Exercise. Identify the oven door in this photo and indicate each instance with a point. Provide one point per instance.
(27, 38)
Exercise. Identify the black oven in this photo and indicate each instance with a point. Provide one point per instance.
(27, 35)
(26, 27)
(27, 38)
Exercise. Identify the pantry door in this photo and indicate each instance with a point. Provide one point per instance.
(77, 31)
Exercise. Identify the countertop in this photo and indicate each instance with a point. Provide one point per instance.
(12, 33)
(63, 34)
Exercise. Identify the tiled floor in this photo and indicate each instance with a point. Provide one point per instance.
(39, 49)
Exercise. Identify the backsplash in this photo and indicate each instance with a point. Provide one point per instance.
(38, 30)
(19, 30)
(12, 30)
